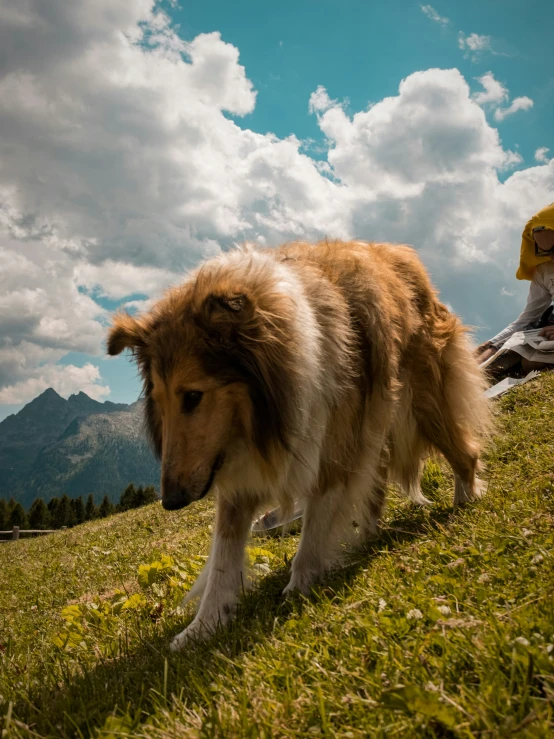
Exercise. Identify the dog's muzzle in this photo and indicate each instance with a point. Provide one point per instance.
(175, 496)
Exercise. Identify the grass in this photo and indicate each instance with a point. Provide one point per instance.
(442, 627)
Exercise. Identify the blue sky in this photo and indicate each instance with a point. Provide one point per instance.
(361, 51)
(98, 207)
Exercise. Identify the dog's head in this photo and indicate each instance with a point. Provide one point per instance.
(215, 365)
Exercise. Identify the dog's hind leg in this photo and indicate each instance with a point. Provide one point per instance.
(442, 429)
(223, 575)
(462, 453)
(407, 450)
(453, 415)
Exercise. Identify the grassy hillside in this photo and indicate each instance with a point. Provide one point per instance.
(443, 627)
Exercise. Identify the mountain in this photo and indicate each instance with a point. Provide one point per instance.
(75, 446)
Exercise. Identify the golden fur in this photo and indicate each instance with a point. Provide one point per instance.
(315, 372)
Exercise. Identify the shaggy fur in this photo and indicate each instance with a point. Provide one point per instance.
(317, 372)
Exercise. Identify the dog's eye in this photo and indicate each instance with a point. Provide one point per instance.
(191, 400)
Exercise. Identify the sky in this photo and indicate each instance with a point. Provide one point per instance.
(138, 138)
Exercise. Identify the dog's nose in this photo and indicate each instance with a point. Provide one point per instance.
(173, 495)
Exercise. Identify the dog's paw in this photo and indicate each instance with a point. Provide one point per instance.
(464, 494)
(301, 581)
(195, 632)
(203, 626)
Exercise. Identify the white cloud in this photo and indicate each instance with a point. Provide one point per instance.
(521, 103)
(41, 305)
(117, 280)
(541, 154)
(320, 101)
(495, 92)
(430, 133)
(431, 13)
(474, 42)
(123, 165)
(422, 167)
(66, 380)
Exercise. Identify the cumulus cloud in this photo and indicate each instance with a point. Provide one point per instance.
(496, 94)
(66, 380)
(320, 101)
(429, 134)
(541, 154)
(124, 162)
(40, 304)
(431, 13)
(116, 280)
(422, 167)
(520, 103)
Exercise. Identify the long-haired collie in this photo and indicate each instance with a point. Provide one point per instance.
(310, 372)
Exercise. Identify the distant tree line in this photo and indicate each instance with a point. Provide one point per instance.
(66, 511)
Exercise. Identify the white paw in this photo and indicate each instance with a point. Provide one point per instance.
(465, 493)
(195, 632)
(203, 626)
(301, 581)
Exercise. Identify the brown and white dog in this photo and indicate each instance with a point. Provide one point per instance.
(314, 372)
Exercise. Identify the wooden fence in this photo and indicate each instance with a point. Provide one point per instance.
(16, 533)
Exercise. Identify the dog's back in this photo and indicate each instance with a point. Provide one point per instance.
(415, 380)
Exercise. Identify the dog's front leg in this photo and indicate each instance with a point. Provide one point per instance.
(224, 576)
(319, 545)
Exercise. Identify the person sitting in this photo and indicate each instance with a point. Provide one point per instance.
(537, 265)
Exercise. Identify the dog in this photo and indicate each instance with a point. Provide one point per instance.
(312, 372)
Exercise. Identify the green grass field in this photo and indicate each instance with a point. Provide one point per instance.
(443, 627)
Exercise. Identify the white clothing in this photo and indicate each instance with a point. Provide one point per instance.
(541, 295)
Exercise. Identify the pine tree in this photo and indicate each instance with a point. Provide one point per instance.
(91, 511)
(146, 495)
(128, 498)
(106, 507)
(4, 514)
(63, 515)
(39, 517)
(18, 517)
(66, 511)
(78, 509)
(53, 505)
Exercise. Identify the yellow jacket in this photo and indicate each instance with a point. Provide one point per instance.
(527, 259)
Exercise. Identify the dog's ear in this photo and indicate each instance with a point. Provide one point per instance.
(223, 314)
(126, 332)
(232, 304)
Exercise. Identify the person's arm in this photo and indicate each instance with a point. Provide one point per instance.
(538, 300)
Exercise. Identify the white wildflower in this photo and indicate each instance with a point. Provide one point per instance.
(382, 604)
(414, 614)
(485, 577)
(445, 610)
(521, 640)
(537, 559)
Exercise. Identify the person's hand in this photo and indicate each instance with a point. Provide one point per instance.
(486, 352)
(547, 332)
